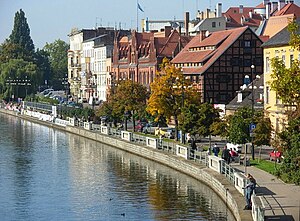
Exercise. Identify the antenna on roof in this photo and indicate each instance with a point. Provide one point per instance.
(96, 22)
(209, 4)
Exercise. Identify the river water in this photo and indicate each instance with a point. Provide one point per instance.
(47, 174)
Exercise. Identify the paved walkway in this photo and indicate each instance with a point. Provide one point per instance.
(281, 201)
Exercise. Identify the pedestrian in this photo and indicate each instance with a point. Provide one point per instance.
(216, 150)
(226, 155)
(250, 187)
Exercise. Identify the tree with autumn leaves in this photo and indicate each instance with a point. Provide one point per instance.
(175, 98)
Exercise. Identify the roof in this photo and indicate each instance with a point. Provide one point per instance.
(280, 39)
(289, 8)
(222, 40)
(247, 95)
(237, 19)
(276, 24)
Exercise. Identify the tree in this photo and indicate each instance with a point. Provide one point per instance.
(127, 96)
(263, 130)
(20, 36)
(290, 168)
(13, 75)
(198, 118)
(238, 126)
(286, 81)
(170, 92)
(57, 52)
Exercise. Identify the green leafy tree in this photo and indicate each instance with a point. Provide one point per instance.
(238, 127)
(170, 92)
(43, 65)
(263, 130)
(20, 36)
(198, 118)
(57, 51)
(14, 73)
(290, 168)
(286, 81)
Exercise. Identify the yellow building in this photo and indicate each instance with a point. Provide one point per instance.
(278, 46)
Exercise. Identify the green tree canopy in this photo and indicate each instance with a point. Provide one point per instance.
(57, 52)
(198, 118)
(13, 76)
(20, 35)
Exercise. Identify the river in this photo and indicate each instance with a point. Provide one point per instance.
(47, 174)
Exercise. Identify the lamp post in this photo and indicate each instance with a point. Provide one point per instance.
(182, 87)
(252, 111)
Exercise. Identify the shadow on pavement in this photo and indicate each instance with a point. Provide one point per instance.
(280, 218)
(263, 191)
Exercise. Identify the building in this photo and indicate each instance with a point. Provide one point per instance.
(137, 56)
(242, 16)
(278, 15)
(89, 62)
(278, 46)
(218, 62)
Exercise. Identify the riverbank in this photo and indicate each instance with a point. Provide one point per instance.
(215, 180)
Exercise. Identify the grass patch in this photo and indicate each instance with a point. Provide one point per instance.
(265, 165)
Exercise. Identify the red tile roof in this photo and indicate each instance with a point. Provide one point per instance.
(289, 8)
(221, 39)
(237, 19)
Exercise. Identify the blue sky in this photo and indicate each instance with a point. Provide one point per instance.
(53, 19)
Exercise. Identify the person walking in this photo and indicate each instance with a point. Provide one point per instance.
(226, 154)
(250, 187)
(216, 150)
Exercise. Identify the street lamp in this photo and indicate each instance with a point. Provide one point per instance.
(252, 111)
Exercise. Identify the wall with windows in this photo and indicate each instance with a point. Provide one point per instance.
(272, 105)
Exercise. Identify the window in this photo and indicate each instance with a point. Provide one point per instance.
(235, 61)
(223, 78)
(247, 44)
(291, 60)
(213, 24)
(267, 64)
(283, 59)
(267, 94)
(247, 62)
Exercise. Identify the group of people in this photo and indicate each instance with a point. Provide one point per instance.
(227, 155)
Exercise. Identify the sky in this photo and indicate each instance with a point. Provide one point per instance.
(50, 20)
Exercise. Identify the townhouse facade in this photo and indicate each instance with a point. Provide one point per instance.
(218, 62)
(89, 62)
(277, 47)
(137, 56)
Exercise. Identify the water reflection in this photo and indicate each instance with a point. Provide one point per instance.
(49, 175)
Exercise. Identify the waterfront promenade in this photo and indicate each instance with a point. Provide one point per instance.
(280, 200)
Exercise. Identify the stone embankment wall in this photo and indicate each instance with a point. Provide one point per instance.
(215, 180)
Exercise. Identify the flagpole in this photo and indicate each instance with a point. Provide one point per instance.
(137, 16)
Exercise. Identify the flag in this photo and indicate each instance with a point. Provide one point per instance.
(140, 8)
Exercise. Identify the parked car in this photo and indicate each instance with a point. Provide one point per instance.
(235, 147)
(276, 155)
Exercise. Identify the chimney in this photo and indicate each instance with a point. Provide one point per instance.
(186, 23)
(250, 14)
(274, 6)
(202, 35)
(281, 4)
(241, 9)
(268, 9)
(219, 10)
(207, 12)
(168, 30)
(266, 2)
